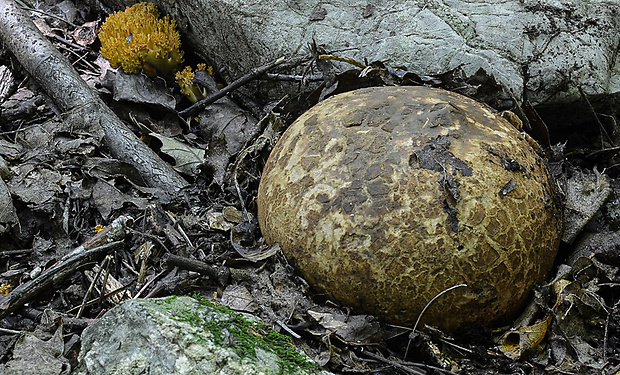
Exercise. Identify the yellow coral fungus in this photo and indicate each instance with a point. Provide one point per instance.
(138, 39)
(185, 79)
(5, 289)
(208, 69)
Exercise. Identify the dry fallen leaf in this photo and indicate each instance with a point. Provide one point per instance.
(517, 342)
(32, 355)
(239, 298)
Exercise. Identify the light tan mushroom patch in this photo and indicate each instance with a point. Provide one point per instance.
(385, 197)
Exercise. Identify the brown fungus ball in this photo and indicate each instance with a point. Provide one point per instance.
(385, 197)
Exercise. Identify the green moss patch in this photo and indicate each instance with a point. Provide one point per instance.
(229, 328)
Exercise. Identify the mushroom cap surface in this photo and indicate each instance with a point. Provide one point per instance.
(385, 197)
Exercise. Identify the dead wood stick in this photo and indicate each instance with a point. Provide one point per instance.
(55, 274)
(219, 274)
(108, 238)
(15, 253)
(67, 321)
(395, 364)
(255, 73)
(294, 77)
(63, 83)
(115, 231)
(601, 127)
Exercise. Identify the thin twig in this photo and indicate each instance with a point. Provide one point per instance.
(606, 334)
(610, 149)
(287, 329)
(34, 10)
(10, 331)
(104, 283)
(518, 109)
(394, 364)
(14, 253)
(89, 291)
(347, 60)
(294, 77)
(26, 292)
(598, 121)
(427, 306)
(215, 273)
(433, 300)
(255, 73)
(107, 295)
(148, 283)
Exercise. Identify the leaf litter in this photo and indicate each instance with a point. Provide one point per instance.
(61, 186)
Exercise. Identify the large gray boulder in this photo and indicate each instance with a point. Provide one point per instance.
(180, 335)
(543, 50)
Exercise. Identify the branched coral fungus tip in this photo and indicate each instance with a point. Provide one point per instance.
(137, 39)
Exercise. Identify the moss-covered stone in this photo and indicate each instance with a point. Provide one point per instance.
(183, 335)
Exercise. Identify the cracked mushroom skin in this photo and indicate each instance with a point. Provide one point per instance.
(385, 197)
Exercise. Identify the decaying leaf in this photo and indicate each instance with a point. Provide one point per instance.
(108, 168)
(352, 329)
(187, 159)
(108, 198)
(111, 284)
(86, 34)
(232, 214)
(33, 355)
(139, 88)
(239, 298)
(35, 185)
(603, 248)
(227, 128)
(581, 319)
(585, 194)
(515, 343)
(243, 237)
(216, 220)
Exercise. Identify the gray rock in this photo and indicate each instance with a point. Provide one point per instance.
(541, 49)
(180, 335)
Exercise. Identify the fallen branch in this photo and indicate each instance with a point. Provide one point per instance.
(63, 83)
(219, 274)
(109, 238)
(255, 73)
(55, 274)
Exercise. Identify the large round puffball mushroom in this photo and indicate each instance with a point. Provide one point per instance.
(387, 198)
